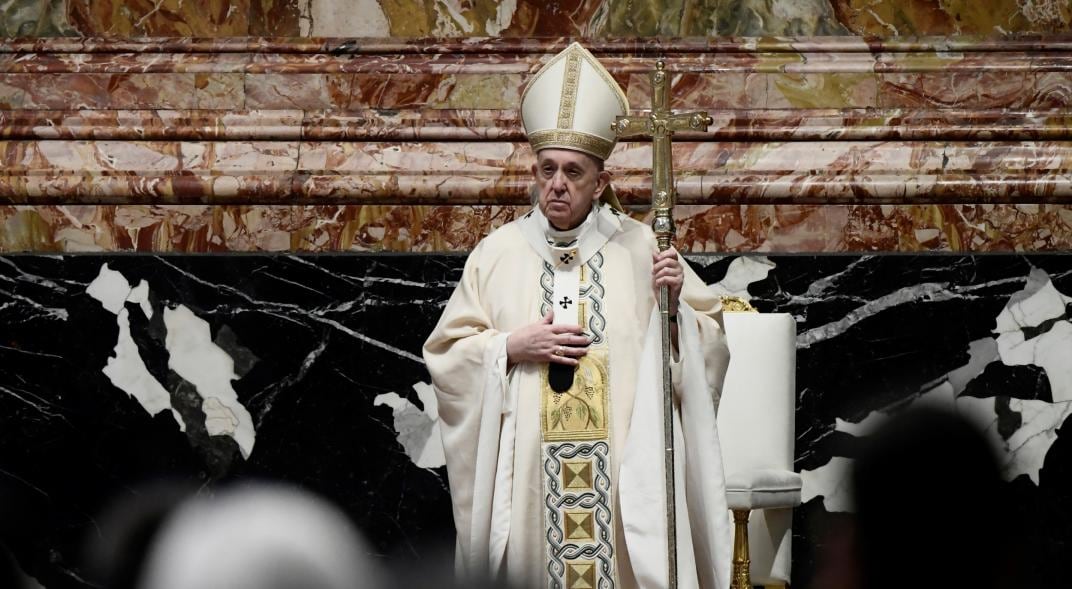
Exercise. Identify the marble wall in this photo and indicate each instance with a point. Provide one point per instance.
(834, 144)
(983, 228)
(528, 18)
(289, 129)
(116, 369)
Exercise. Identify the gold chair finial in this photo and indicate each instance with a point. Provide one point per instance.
(732, 304)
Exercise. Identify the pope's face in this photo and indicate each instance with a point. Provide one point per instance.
(568, 183)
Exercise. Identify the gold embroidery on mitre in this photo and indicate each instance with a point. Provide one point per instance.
(569, 139)
(567, 102)
(619, 94)
(549, 104)
(539, 73)
(579, 413)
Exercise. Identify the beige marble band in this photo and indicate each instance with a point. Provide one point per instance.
(481, 125)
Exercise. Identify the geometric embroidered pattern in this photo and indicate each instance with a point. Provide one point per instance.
(580, 525)
(592, 290)
(575, 436)
(567, 100)
(581, 575)
(580, 532)
(577, 474)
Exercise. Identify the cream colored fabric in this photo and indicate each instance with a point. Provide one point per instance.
(704, 532)
(763, 480)
(482, 404)
(756, 423)
(763, 489)
(571, 103)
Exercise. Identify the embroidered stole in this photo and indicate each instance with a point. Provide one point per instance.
(575, 424)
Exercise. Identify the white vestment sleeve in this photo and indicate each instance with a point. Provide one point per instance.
(501, 504)
(466, 358)
(704, 533)
(640, 494)
(486, 491)
(705, 487)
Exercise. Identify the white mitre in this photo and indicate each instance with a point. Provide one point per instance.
(571, 103)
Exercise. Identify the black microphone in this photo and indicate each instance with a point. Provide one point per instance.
(560, 377)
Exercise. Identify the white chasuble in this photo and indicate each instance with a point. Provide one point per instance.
(560, 489)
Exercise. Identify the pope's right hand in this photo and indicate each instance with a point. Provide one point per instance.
(544, 342)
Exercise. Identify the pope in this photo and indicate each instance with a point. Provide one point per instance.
(547, 364)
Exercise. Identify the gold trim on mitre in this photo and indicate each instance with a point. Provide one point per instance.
(571, 102)
(575, 140)
(570, 80)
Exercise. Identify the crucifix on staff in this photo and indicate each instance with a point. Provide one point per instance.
(659, 124)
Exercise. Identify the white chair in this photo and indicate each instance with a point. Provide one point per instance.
(756, 429)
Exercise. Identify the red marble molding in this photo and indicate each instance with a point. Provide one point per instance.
(820, 60)
(426, 229)
(432, 125)
(647, 46)
(465, 173)
(433, 122)
(831, 74)
(531, 18)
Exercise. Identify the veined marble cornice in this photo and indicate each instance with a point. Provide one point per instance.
(476, 125)
(830, 120)
(521, 56)
(1002, 228)
(468, 173)
(639, 46)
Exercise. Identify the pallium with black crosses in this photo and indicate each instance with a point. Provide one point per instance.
(575, 432)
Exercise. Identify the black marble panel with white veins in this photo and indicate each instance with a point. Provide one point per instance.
(120, 370)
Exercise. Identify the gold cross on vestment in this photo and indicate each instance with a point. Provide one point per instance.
(660, 124)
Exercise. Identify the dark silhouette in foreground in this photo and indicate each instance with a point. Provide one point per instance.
(930, 508)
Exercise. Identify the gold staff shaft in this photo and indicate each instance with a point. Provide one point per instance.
(662, 203)
(659, 125)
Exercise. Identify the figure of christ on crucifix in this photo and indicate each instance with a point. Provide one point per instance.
(549, 369)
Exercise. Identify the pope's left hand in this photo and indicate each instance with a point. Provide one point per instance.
(666, 269)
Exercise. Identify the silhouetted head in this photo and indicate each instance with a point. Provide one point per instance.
(929, 507)
(9, 571)
(115, 551)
